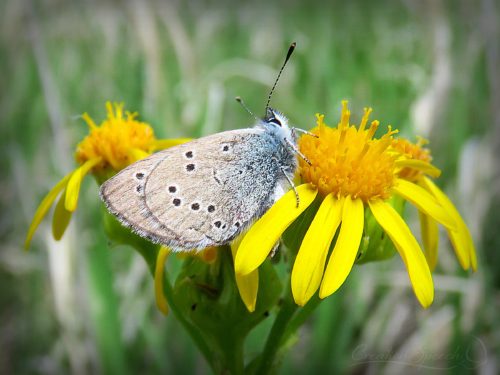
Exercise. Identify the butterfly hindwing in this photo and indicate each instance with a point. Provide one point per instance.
(123, 195)
(198, 194)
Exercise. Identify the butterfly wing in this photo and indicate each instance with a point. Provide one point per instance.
(198, 194)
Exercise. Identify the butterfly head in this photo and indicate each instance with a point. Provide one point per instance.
(276, 123)
(274, 117)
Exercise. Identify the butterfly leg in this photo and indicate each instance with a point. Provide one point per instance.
(283, 170)
(296, 150)
(275, 249)
(304, 132)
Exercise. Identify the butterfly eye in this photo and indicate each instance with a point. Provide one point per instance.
(275, 121)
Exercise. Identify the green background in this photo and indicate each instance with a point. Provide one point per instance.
(426, 67)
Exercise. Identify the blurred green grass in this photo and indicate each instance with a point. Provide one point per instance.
(425, 67)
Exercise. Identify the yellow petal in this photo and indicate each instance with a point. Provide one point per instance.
(345, 250)
(460, 238)
(472, 251)
(161, 259)
(161, 144)
(310, 262)
(430, 239)
(420, 165)
(61, 219)
(73, 188)
(248, 285)
(264, 234)
(425, 202)
(137, 154)
(43, 208)
(461, 244)
(408, 248)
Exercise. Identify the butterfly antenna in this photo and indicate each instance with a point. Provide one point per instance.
(289, 53)
(239, 100)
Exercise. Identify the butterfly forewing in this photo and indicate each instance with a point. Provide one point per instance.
(198, 194)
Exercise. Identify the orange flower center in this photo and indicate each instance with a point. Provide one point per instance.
(119, 141)
(347, 160)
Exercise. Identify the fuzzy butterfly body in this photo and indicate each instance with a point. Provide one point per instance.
(203, 193)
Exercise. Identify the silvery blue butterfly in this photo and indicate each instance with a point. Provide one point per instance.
(205, 192)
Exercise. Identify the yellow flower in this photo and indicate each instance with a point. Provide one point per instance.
(351, 171)
(460, 237)
(119, 141)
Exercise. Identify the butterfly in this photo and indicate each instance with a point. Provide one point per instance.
(205, 192)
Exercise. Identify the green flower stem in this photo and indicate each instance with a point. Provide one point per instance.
(288, 319)
(149, 252)
(192, 331)
(301, 316)
(233, 358)
(277, 335)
